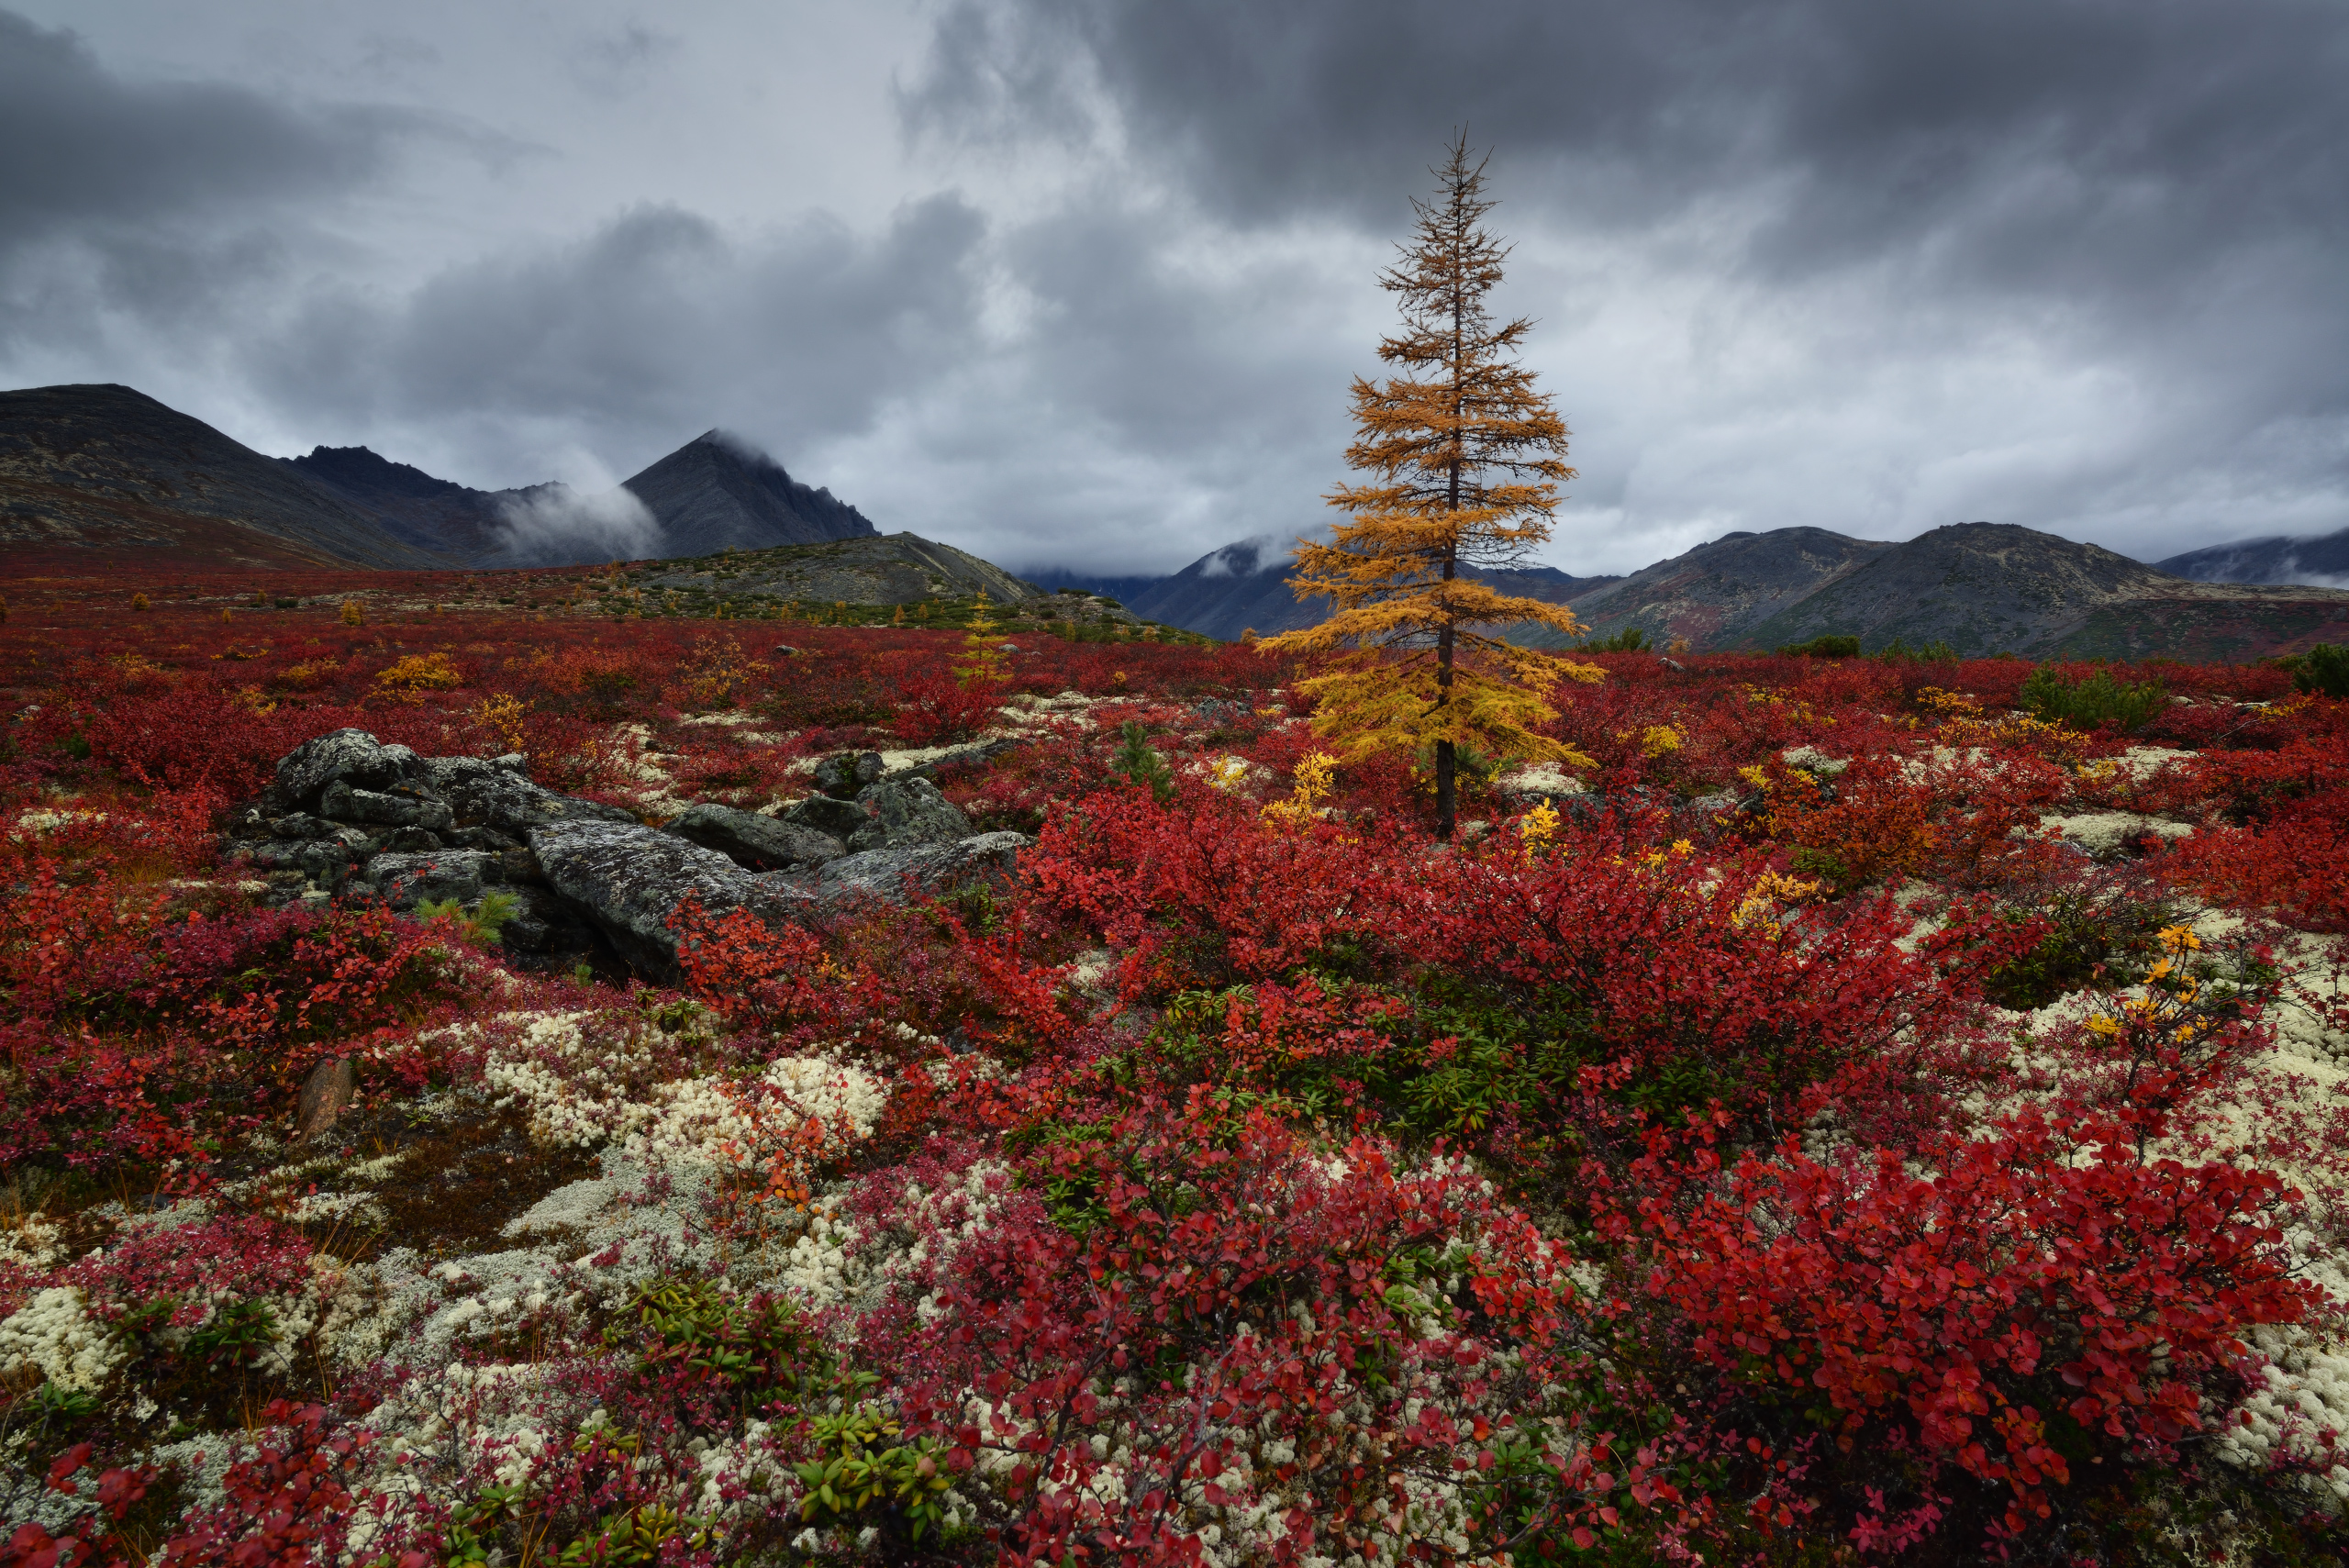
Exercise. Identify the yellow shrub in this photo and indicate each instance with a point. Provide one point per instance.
(1313, 784)
(501, 715)
(409, 680)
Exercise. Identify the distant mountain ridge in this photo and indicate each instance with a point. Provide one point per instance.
(1716, 594)
(432, 514)
(1978, 588)
(2321, 562)
(714, 493)
(105, 467)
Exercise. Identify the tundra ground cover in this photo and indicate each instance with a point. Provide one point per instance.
(1856, 1119)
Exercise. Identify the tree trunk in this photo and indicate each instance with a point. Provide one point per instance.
(1447, 794)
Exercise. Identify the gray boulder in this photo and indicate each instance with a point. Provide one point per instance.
(347, 756)
(498, 796)
(845, 774)
(341, 802)
(762, 843)
(629, 880)
(907, 812)
(827, 815)
(406, 881)
(888, 876)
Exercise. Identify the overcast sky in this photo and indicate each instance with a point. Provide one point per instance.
(1083, 281)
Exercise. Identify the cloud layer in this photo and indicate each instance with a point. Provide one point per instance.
(1871, 268)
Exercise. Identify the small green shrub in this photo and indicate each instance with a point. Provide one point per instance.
(482, 926)
(1629, 639)
(1138, 761)
(1934, 652)
(2100, 940)
(1829, 646)
(2097, 699)
(2323, 670)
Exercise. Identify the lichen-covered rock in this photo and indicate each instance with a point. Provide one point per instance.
(406, 881)
(850, 772)
(499, 796)
(888, 874)
(404, 807)
(629, 879)
(828, 814)
(907, 812)
(344, 756)
(761, 843)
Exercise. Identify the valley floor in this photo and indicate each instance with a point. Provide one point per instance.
(1852, 1118)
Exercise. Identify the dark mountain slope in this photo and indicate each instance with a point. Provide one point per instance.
(714, 492)
(1713, 593)
(1980, 587)
(2323, 559)
(432, 514)
(107, 467)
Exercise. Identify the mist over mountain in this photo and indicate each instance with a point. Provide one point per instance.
(2321, 561)
(108, 467)
(714, 493)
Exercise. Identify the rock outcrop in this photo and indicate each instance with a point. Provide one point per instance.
(630, 879)
(761, 843)
(351, 815)
(888, 874)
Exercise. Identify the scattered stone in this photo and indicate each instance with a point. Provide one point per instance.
(339, 802)
(760, 843)
(326, 1095)
(544, 928)
(1524, 789)
(497, 795)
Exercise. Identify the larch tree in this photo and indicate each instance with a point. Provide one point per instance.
(1463, 459)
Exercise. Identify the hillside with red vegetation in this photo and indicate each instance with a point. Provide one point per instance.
(1859, 1118)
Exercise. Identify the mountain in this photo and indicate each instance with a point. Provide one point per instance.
(1994, 587)
(438, 515)
(2323, 562)
(1715, 594)
(1118, 588)
(1243, 586)
(1979, 587)
(713, 493)
(104, 467)
(716, 492)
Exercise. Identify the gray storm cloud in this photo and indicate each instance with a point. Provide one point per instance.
(2068, 263)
